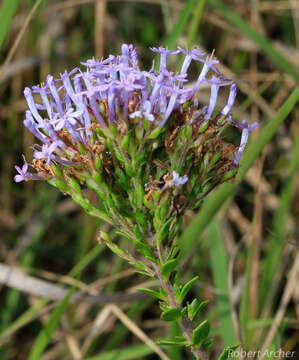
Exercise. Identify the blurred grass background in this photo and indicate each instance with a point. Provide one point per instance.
(243, 244)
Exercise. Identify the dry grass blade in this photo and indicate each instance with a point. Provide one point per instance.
(43, 311)
(99, 324)
(286, 297)
(71, 3)
(29, 284)
(234, 313)
(277, 5)
(100, 11)
(19, 38)
(137, 331)
(74, 347)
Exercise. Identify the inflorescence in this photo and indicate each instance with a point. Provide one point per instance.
(130, 134)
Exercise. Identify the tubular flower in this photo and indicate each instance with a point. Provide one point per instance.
(113, 127)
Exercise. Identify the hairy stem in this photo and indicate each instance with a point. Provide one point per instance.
(185, 323)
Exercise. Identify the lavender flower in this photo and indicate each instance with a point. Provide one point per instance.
(24, 175)
(70, 115)
(176, 181)
(145, 112)
(164, 53)
(46, 152)
(246, 128)
(216, 83)
(112, 93)
(231, 100)
(194, 54)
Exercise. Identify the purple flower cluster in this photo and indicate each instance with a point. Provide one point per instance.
(116, 89)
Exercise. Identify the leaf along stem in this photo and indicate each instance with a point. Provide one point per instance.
(185, 323)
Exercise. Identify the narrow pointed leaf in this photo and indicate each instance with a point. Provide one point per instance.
(171, 315)
(186, 288)
(169, 267)
(173, 342)
(152, 293)
(201, 333)
(225, 355)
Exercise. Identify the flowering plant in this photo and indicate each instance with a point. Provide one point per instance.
(144, 144)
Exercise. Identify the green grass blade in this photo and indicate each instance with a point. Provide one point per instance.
(216, 199)
(44, 336)
(27, 259)
(86, 260)
(7, 12)
(128, 353)
(258, 38)
(172, 39)
(220, 275)
(29, 315)
(26, 317)
(276, 242)
(195, 21)
(245, 315)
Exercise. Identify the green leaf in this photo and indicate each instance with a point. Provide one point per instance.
(75, 185)
(124, 235)
(164, 230)
(145, 273)
(115, 249)
(214, 201)
(155, 133)
(7, 12)
(59, 184)
(258, 38)
(194, 23)
(173, 342)
(139, 351)
(57, 171)
(145, 250)
(173, 314)
(44, 336)
(168, 267)
(218, 261)
(184, 310)
(140, 216)
(227, 352)
(156, 195)
(195, 307)
(207, 343)
(163, 208)
(272, 258)
(188, 131)
(201, 333)
(137, 265)
(152, 293)
(125, 143)
(203, 304)
(186, 288)
(204, 127)
(181, 24)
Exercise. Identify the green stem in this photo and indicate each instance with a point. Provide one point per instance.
(185, 323)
